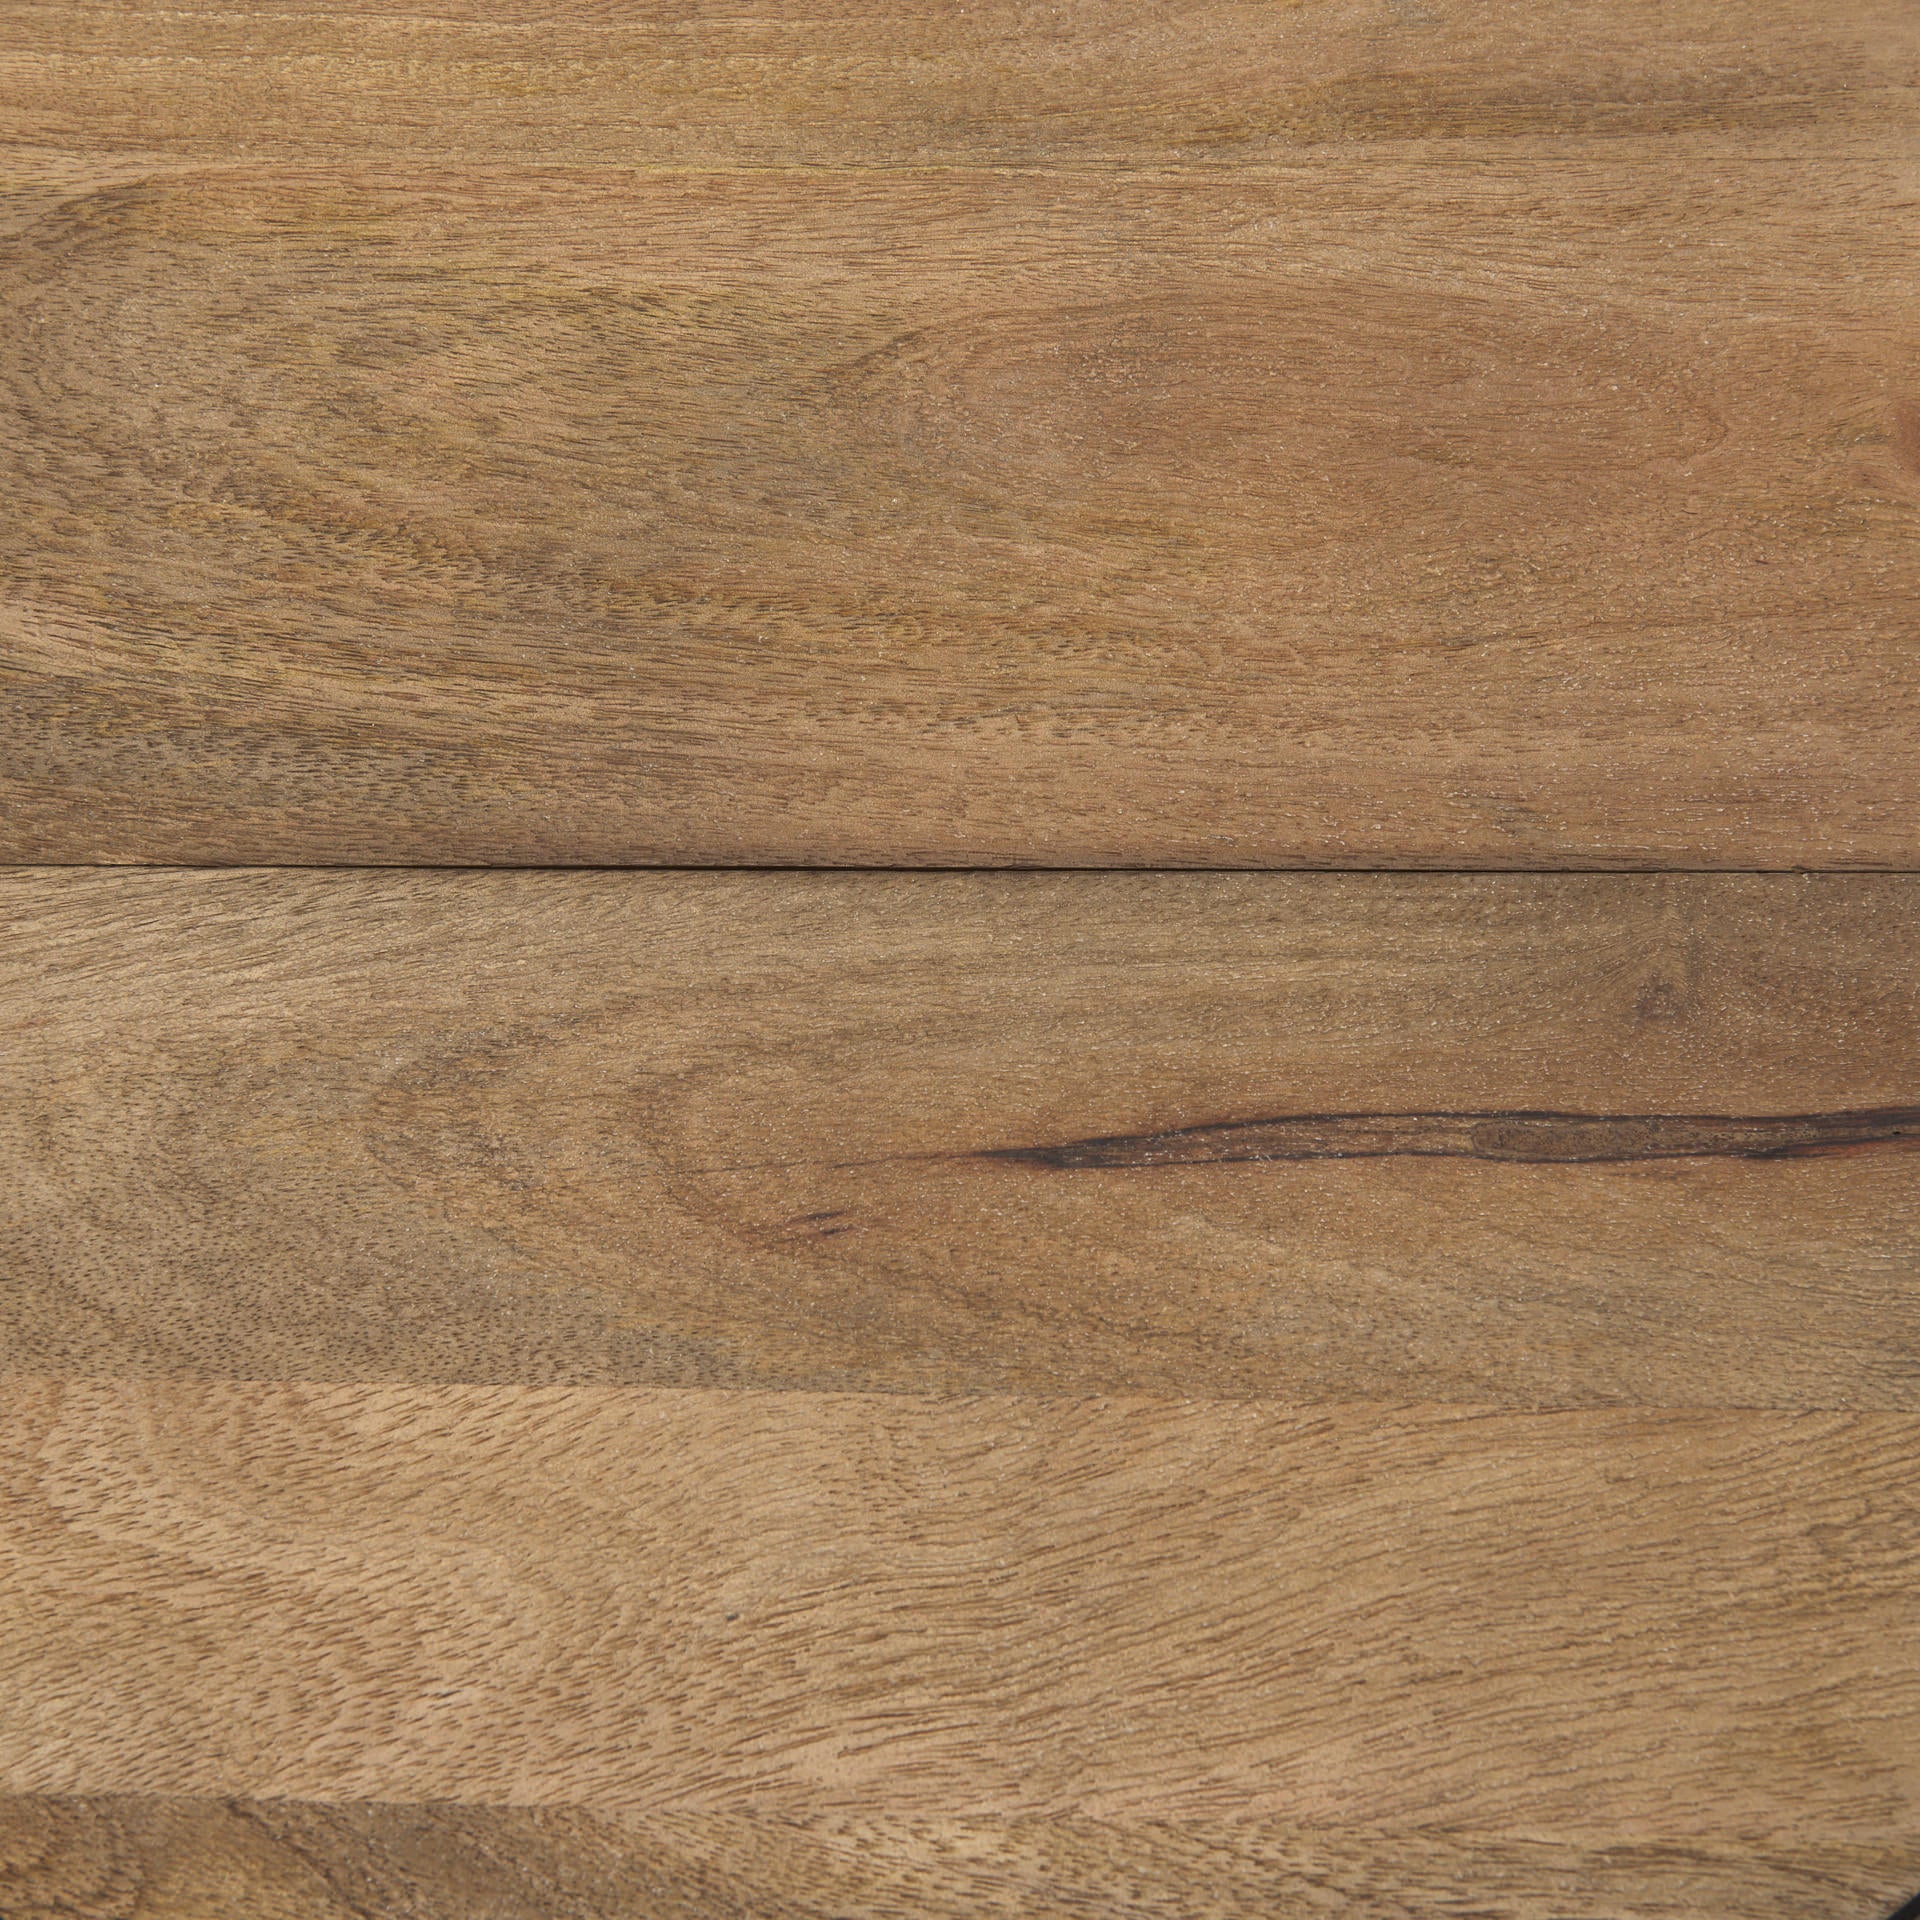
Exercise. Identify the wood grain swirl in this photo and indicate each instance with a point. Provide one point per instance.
(1397, 512)
(962, 1133)
(1615, 1627)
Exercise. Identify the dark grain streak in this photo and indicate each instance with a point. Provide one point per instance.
(1528, 1137)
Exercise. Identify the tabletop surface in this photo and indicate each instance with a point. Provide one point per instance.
(703, 1215)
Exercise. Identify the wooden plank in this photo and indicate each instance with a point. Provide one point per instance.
(1611, 1627)
(1542, 1140)
(887, 82)
(112, 1858)
(1431, 506)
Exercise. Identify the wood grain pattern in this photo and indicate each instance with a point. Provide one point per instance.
(884, 83)
(924, 1132)
(125, 1858)
(1511, 459)
(1612, 1627)
(698, 1396)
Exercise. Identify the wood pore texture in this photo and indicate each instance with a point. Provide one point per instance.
(713, 1394)
(156, 1858)
(1341, 432)
(568, 1354)
(794, 1130)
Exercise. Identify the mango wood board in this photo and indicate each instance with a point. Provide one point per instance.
(1605, 1626)
(1531, 1140)
(152, 1857)
(864, 84)
(1356, 432)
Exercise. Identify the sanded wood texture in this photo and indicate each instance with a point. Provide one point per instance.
(152, 1858)
(542, 1380)
(1541, 1140)
(1617, 1626)
(1353, 432)
(156, 1858)
(886, 83)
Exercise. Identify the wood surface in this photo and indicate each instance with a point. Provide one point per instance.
(1532, 1140)
(1355, 432)
(1610, 1626)
(677, 1395)
(151, 1858)
(1006, 83)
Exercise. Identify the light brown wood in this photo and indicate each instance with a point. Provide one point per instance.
(1114, 83)
(698, 1396)
(913, 1132)
(1612, 1626)
(1430, 434)
(115, 1858)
